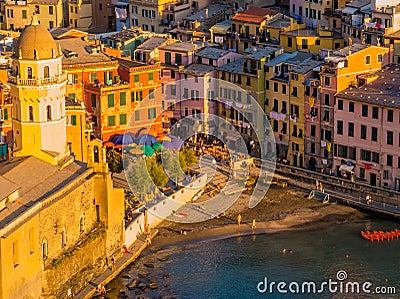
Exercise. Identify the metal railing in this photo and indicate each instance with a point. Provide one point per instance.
(35, 82)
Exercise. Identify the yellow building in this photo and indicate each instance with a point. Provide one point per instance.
(53, 211)
(80, 14)
(312, 41)
(79, 128)
(17, 14)
(281, 23)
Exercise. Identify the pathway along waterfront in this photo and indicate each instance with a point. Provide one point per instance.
(384, 201)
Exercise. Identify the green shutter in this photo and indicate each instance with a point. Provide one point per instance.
(73, 120)
(111, 121)
(151, 76)
(5, 114)
(137, 115)
(136, 78)
(122, 99)
(122, 119)
(110, 100)
(24, 14)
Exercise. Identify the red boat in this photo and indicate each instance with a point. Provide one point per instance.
(380, 235)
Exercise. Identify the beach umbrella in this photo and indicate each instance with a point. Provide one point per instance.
(119, 139)
(157, 146)
(146, 139)
(148, 151)
(108, 144)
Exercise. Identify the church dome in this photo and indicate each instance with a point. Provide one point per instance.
(36, 42)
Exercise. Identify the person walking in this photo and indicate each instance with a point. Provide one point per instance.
(112, 264)
(239, 219)
(253, 225)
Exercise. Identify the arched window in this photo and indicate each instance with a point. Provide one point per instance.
(45, 249)
(29, 71)
(82, 224)
(96, 154)
(63, 237)
(30, 113)
(48, 112)
(46, 71)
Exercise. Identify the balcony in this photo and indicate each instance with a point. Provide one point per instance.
(37, 82)
(328, 70)
(13, 2)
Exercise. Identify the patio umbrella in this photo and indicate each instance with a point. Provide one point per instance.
(148, 151)
(119, 139)
(157, 146)
(108, 144)
(136, 150)
(147, 139)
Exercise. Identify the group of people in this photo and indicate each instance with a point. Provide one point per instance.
(319, 186)
(253, 224)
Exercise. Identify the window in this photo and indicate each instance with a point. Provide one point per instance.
(136, 78)
(327, 81)
(375, 112)
(389, 160)
(284, 88)
(312, 148)
(37, 9)
(295, 77)
(380, 58)
(63, 237)
(168, 57)
(284, 111)
(51, 10)
(48, 112)
(294, 92)
(327, 99)
(339, 127)
(110, 100)
(351, 106)
(151, 113)
(82, 224)
(365, 110)
(398, 162)
(375, 157)
(46, 72)
(93, 96)
(5, 114)
(30, 113)
(368, 59)
(134, 10)
(284, 128)
(24, 16)
(276, 125)
(137, 115)
(340, 104)
(111, 121)
(150, 76)
(275, 108)
(275, 86)
(93, 77)
(374, 134)
(73, 120)
(151, 94)
(389, 137)
(267, 84)
(122, 99)
(326, 115)
(294, 110)
(350, 130)
(15, 254)
(390, 115)
(312, 129)
(173, 90)
(317, 42)
(29, 71)
(248, 81)
(363, 132)
(122, 119)
(178, 59)
(100, 6)
(185, 93)
(290, 42)
(304, 44)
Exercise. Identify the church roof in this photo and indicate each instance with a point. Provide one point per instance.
(36, 42)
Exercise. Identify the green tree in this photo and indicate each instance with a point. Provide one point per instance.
(156, 172)
(139, 177)
(114, 160)
(188, 158)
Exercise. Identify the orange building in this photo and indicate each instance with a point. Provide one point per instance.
(5, 122)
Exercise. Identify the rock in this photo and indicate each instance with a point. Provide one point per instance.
(122, 294)
(133, 284)
(163, 259)
(142, 286)
(127, 276)
(149, 265)
(153, 285)
(143, 274)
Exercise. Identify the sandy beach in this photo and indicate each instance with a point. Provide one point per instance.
(281, 209)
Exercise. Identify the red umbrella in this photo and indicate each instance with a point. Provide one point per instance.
(108, 144)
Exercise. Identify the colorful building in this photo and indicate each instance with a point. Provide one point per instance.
(341, 71)
(53, 210)
(312, 41)
(80, 14)
(367, 134)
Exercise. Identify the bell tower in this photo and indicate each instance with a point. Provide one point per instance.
(38, 87)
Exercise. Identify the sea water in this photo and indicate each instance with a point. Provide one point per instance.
(234, 267)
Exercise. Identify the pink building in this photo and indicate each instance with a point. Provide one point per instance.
(367, 130)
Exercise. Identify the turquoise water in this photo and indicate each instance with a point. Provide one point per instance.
(232, 268)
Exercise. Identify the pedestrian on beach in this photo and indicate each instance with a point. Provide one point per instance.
(253, 225)
(101, 289)
(112, 264)
(107, 262)
(239, 219)
(316, 184)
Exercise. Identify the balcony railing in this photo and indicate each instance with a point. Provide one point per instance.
(36, 82)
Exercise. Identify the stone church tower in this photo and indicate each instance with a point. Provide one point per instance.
(38, 87)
